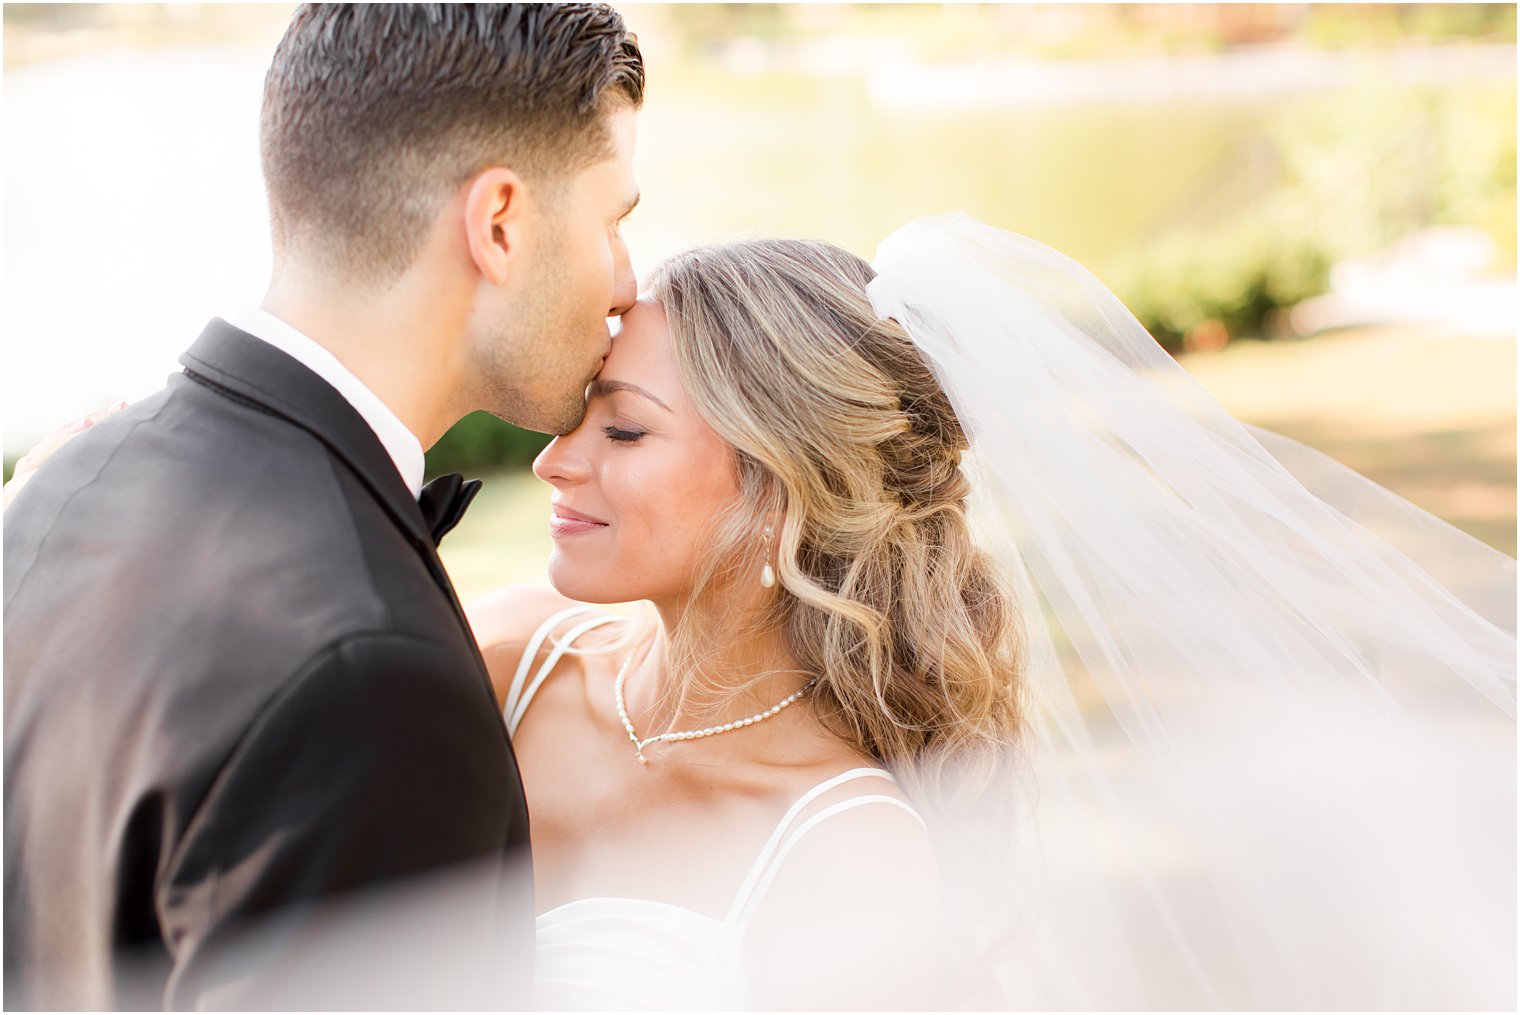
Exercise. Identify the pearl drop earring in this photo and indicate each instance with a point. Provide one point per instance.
(767, 573)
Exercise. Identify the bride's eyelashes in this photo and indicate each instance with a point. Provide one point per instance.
(620, 436)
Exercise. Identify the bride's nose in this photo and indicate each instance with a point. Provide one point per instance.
(561, 463)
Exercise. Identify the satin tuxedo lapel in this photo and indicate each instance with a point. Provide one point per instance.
(248, 368)
(253, 371)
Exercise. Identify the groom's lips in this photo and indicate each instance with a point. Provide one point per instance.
(564, 522)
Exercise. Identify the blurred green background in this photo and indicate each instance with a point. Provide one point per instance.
(1313, 206)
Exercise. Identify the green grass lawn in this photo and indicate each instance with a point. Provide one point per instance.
(1429, 415)
(504, 540)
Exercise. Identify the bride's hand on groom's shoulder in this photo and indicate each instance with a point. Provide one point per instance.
(28, 464)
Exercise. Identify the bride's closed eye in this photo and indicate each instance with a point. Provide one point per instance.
(621, 436)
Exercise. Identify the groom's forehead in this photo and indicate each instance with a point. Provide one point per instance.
(622, 126)
(613, 176)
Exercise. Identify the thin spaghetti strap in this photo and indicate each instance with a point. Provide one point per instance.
(745, 909)
(774, 842)
(525, 664)
(555, 656)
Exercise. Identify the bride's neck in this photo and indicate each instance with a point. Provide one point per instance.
(746, 674)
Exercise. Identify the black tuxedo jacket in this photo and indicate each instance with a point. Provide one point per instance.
(252, 757)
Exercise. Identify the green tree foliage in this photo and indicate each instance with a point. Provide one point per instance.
(481, 443)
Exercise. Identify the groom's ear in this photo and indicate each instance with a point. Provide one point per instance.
(494, 214)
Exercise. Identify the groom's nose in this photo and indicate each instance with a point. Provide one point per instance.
(625, 287)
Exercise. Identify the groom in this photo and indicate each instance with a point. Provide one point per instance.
(252, 758)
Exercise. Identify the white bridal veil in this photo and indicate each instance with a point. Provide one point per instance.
(1274, 703)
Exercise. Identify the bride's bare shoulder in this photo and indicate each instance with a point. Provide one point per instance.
(504, 623)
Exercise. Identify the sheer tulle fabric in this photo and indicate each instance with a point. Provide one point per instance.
(1274, 753)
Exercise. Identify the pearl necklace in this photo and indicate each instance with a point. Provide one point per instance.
(728, 727)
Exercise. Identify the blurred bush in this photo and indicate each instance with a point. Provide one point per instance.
(480, 442)
(1356, 170)
(1194, 292)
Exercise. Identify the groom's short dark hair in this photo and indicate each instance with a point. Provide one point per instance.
(375, 113)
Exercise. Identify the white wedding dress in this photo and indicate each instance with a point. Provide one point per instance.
(640, 954)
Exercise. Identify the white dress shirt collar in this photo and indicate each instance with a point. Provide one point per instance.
(402, 445)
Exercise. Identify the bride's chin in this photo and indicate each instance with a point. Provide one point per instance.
(574, 583)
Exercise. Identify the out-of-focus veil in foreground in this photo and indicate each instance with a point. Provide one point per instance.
(1272, 761)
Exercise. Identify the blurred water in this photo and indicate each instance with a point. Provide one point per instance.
(134, 209)
(134, 212)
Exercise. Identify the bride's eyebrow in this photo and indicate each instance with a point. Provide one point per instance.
(601, 387)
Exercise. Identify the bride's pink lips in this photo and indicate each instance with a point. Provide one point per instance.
(564, 522)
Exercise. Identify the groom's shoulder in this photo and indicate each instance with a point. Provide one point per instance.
(204, 445)
(193, 434)
(236, 512)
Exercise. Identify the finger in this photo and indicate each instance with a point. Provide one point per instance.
(40, 451)
(90, 419)
(12, 488)
(30, 461)
(53, 441)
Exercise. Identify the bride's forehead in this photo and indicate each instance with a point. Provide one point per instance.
(641, 350)
(643, 337)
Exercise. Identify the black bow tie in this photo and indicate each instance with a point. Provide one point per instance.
(443, 502)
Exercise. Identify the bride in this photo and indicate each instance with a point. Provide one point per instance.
(824, 634)
(988, 662)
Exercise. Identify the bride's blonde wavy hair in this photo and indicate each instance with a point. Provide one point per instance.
(841, 430)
